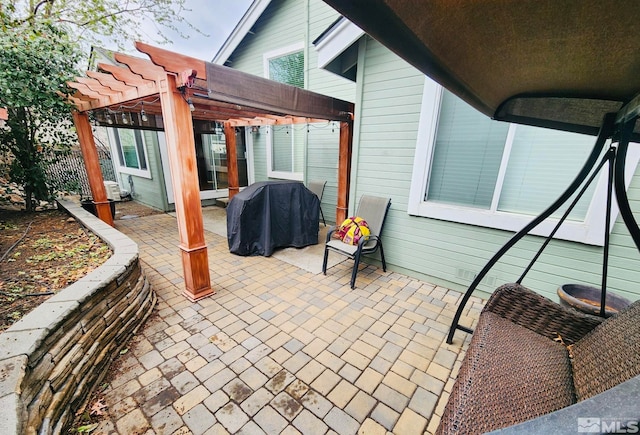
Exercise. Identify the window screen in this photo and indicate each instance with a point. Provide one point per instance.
(288, 69)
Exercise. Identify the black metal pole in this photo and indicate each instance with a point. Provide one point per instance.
(608, 158)
(605, 252)
(619, 182)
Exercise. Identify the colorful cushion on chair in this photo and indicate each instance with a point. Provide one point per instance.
(352, 230)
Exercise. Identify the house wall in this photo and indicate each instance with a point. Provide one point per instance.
(148, 191)
(282, 24)
(388, 107)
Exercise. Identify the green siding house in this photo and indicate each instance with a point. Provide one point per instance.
(275, 40)
(461, 184)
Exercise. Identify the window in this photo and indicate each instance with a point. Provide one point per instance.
(285, 153)
(285, 148)
(130, 148)
(286, 65)
(473, 170)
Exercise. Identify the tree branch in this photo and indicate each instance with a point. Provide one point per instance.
(42, 3)
(99, 18)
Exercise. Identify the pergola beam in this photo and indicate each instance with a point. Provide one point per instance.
(173, 62)
(274, 120)
(142, 67)
(86, 90)
(81, 105)
(133, 93)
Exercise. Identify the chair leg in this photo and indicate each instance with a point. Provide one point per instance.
(354, 272)
(322, 214)
(324, 261)
(384, 263)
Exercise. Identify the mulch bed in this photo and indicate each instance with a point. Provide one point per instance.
(41, 253)
(45, 251)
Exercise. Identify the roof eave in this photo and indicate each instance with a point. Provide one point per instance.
(336, 40)
(243, 27)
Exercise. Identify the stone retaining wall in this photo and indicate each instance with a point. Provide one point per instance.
(52, 358)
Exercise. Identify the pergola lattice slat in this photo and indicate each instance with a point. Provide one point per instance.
(98, 87)
(124, 75)
(108, 80)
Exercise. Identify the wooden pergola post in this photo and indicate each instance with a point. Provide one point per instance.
(344, 169)
(92, 164)
(232, 159)
(178, 127)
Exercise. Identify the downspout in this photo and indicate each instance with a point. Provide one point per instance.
(357, 123)
(307, 86)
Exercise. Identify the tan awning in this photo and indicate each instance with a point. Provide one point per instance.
(558, 64)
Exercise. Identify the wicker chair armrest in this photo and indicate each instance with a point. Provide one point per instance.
(526, 308)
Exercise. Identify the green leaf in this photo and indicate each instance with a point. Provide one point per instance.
(87, 428)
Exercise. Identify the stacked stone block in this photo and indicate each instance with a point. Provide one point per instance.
(52, 358)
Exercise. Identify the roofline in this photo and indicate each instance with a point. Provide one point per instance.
(328, 30)
(245, 24)
(338, 37)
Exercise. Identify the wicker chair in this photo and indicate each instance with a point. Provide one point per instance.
(515, 371)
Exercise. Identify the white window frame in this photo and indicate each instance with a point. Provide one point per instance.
(296, 176)
(143, 173)
(589, 231)
(279, 52)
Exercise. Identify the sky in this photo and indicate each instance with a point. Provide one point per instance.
(215, 18)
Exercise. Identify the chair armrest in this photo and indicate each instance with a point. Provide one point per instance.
(332, 229)
(526, 308)
(370, 238)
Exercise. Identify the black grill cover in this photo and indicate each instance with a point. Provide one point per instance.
(272, 214)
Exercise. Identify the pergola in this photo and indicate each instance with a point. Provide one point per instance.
(181, 89)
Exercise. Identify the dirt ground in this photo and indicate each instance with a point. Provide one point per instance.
(43, 252)
(133, 209)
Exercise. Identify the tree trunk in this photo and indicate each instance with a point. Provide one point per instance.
(28, 197)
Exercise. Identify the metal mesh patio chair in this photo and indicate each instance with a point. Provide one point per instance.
(317, 187)
(372, 209)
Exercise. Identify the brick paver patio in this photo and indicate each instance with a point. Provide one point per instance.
(282, 350)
